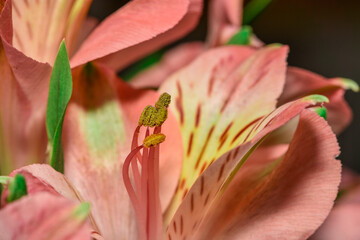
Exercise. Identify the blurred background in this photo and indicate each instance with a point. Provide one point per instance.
(323, 35)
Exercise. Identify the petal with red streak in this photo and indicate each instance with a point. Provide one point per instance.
(298, 188)
(23, 92)
(216, 100)
(40, 26)
(137, 29)
(43, 216)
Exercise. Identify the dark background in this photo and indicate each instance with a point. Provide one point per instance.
(323, 35)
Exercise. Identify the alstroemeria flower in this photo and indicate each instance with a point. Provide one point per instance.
(249, 170)
(31, 32)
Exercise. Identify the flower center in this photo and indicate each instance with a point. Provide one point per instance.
(143, 184)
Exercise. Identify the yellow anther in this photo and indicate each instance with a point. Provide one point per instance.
(154, 139)
(144, 115)
(164, 101)
(152, 118)
(161, 116)
(148, 116)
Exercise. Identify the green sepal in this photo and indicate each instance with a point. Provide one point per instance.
(17, 188)
(60, 90)
(253, 9)
(321, 111)
(242, 37)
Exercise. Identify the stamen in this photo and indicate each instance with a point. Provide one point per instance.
(146, 198)
(147, 117)
(164, 101)
(154, 140)
(154, 211)
(161, 116)
(132, 195)
(134, 164)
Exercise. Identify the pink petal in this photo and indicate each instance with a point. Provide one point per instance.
(43, 216)
(6, 28)
(349, 179)
(43, 178)
(171, 62)
(300, 82)
(100, 121)
(40, 26)
(344, 218)
(288, 199)
(23, 91)
(224, 19)
(234, 11)
(216, 102)
(87, 27)
(342, 223)
(138, 29)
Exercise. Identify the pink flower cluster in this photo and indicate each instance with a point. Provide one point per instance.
(248, 153)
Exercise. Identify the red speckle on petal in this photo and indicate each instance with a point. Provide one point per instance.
(190, 144)
(204, 147)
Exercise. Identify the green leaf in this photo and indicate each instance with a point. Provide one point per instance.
(59, 96)
(242, 37)
(17, 188)
(253, 9)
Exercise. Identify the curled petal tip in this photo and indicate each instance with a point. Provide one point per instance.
(349, 84)
(275, 45)
(315, 98)
(5, 179)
